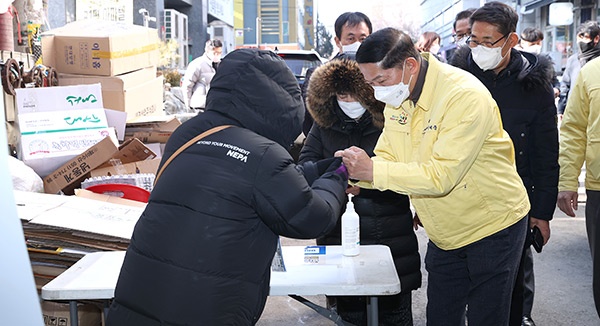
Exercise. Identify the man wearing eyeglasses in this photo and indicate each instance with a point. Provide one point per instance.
(521, 84)
(462, 28)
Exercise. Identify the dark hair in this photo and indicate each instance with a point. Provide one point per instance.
(388, 46)
(428, 39)
(499, 14)
(352, 19)
(215, 43)
(532, 34)
(465, 14)
(590, 27)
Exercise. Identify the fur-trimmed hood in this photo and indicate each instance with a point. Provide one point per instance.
(340, 76)
(533, 71)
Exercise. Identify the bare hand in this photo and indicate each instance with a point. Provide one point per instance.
(354, 190)
(358, 163)
(544, 227)
(567, 202)
(417, 222)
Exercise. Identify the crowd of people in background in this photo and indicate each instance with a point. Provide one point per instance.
(471, 141)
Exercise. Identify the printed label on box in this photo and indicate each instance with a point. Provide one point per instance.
(57, 121)
(44, 99)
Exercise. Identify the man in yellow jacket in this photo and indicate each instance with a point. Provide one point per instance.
(579, 142)
(443, 144)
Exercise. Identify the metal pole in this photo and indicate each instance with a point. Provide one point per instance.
(258, 31)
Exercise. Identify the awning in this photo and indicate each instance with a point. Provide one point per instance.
(537, 4)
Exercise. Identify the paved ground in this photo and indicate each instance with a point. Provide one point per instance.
(563, 283)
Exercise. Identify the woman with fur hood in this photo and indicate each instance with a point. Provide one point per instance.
(347, 114)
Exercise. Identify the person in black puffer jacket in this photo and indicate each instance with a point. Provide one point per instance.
(337, 98)
(201, 252)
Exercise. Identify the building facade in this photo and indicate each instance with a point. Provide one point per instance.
(190, 22)
(286, 24)
(274, 24)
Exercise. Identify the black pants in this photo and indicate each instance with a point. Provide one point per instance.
(592, 224)
(480, 275)
(522, 297)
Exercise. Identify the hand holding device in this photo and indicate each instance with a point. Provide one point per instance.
(537, 239)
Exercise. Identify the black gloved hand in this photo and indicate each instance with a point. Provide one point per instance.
(313, 170)
(328, 164)
(338, 168)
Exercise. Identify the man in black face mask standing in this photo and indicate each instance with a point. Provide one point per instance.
(588, 40)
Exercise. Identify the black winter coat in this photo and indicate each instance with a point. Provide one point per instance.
(385, 216)
(524, 94)
(201, 252)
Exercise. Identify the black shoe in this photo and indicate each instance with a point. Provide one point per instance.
(527, 321)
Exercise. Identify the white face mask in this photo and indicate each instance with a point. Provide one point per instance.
(487, 58)
(351, 48)
(536, 49)
(352, 109)
(461, 42)
(434, 49)
(396, 94)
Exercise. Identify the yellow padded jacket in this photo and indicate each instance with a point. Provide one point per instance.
(448, 151)
(580, 131)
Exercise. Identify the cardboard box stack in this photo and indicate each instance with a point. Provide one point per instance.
(59, 230)
(58, 123)
(108, 80)
(121, 57)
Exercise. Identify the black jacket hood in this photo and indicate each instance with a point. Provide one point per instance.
(258, 90)
(533, 70)
(340, 75)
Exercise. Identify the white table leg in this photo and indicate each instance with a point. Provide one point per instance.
(373, 312)
(73, 313)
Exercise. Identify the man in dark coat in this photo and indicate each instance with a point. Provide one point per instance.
(521, 84)
(347, 114)
(202, 250)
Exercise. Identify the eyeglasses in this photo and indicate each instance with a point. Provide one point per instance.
(458, 37)
(487, 44)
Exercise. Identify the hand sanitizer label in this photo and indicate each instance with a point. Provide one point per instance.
(314, 254)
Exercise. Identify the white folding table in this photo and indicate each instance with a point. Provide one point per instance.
(371, 274)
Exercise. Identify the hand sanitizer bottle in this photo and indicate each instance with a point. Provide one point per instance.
(350, 230)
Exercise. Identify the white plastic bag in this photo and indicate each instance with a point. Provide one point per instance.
(23, 177)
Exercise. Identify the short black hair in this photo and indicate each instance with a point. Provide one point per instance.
(352, 19)
(465, 14)
(590, 27)
(389, 46)
(215, 43)
(499, 14)
(532, 34)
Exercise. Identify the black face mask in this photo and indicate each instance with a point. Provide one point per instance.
(585, 46)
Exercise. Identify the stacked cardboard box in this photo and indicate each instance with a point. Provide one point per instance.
(59, 230)
(58, 123)
(138, 93)
(56, 313)
(121, 57)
